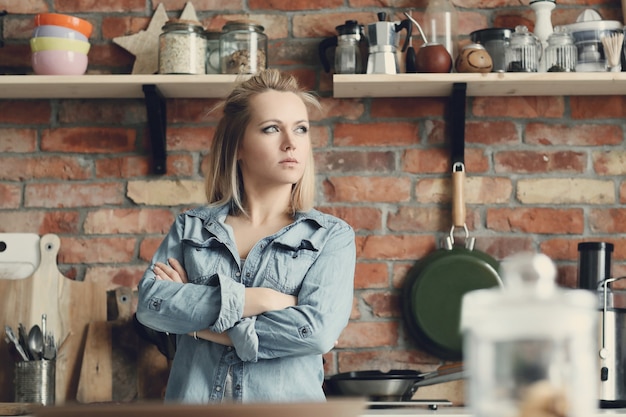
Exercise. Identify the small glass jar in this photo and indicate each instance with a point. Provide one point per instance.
(243, 48)
(182, 48)
(561, 53)
(213, 52)
(523, 51)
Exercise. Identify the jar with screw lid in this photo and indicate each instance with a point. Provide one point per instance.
(182, 48)
(561, 53)
(213, 52)
(243, 48)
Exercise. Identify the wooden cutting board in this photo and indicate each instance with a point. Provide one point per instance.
(69, 305)
(118, 366)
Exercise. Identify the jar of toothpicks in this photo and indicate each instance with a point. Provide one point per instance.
(613, 51)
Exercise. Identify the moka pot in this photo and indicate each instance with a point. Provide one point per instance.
(383, 44)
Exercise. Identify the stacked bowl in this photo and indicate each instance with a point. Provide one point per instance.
(60, 44)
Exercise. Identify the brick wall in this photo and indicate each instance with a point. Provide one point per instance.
(544, 173)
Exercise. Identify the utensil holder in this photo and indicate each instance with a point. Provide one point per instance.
(34, 381)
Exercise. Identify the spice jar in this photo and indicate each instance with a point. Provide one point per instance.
(561, 53)
(243, 48)
(182, 48)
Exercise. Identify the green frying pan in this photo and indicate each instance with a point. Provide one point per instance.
(434, 287)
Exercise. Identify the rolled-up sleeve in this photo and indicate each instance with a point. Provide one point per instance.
(182, 308)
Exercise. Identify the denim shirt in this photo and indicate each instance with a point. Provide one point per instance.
(277, 356)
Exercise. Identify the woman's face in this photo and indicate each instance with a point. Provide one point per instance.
(276, 143)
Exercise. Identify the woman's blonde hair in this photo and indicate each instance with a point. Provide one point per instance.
(223, 181)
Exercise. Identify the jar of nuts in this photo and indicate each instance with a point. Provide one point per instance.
(243, 48)
(182, 48)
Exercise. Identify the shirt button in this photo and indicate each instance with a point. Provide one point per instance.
(247, 274)
(238, 387)
(218, 388)
(229, 348)
(237, 274)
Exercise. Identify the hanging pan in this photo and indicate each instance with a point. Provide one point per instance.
(435, 285)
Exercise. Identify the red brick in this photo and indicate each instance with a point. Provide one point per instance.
(148, 247)
(123, 167)
(89, 140)
(53, 195)
(371, 275)
(113, 112)
(519, 107)
(24, 7)
(192, 110)
(372, 189)
(420, 161)
(25, 112)
(418, 107)
(10, 196)
(368, 359)
(578, 135)
(360, 218)
(350, 109)
(597, 107)
(483, 133)
(40, 222)
(113, 277)
(18, 140)
(537, 220)
(394, 247)
(501, 247)
(542, 161)
(292, 5)
(607, 220)
(17, 56)
(79, 6)
(96, 250)
(128, 221)
(190, 138)
(400, 270)
(316, 25)
(561, 249)
(418, 219)
(378, 134)
(369, 334)
(383, 304)
(67, 168)
(354, 161)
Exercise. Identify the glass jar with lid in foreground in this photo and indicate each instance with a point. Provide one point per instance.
(243, 48)
(530, 348)
(182, 48)
(561, 54)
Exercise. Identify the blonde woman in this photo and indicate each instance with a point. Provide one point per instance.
(257, 284)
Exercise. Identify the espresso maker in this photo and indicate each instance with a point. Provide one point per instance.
(594, 274)
(383, 44)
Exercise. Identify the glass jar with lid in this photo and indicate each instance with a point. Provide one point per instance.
(213, 52)
(523, 51)
(243, 48)
(561, 54)
(182, 48)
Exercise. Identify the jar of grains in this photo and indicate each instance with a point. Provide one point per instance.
(182, 48)
(243, 48)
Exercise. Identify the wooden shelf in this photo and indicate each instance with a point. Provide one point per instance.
(113, 86)
(491, 84)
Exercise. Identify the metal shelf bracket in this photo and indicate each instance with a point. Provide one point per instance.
(157, 124)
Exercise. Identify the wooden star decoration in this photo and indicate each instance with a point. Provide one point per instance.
(145, 44)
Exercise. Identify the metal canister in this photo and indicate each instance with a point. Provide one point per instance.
(243, 48)
(182, 48)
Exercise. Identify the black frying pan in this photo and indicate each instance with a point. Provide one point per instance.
(434, 287)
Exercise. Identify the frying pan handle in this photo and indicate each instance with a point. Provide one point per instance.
(458, 199)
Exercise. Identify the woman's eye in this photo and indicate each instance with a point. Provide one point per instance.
(270, 129)
(302, 129)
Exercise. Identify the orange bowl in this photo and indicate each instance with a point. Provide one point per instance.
(65, 20)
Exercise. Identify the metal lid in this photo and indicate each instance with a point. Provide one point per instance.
(490, 34)
(184, 25)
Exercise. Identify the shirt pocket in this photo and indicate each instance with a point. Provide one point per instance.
(290, 265)
(203, 259)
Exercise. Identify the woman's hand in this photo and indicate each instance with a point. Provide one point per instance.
(173, 272)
